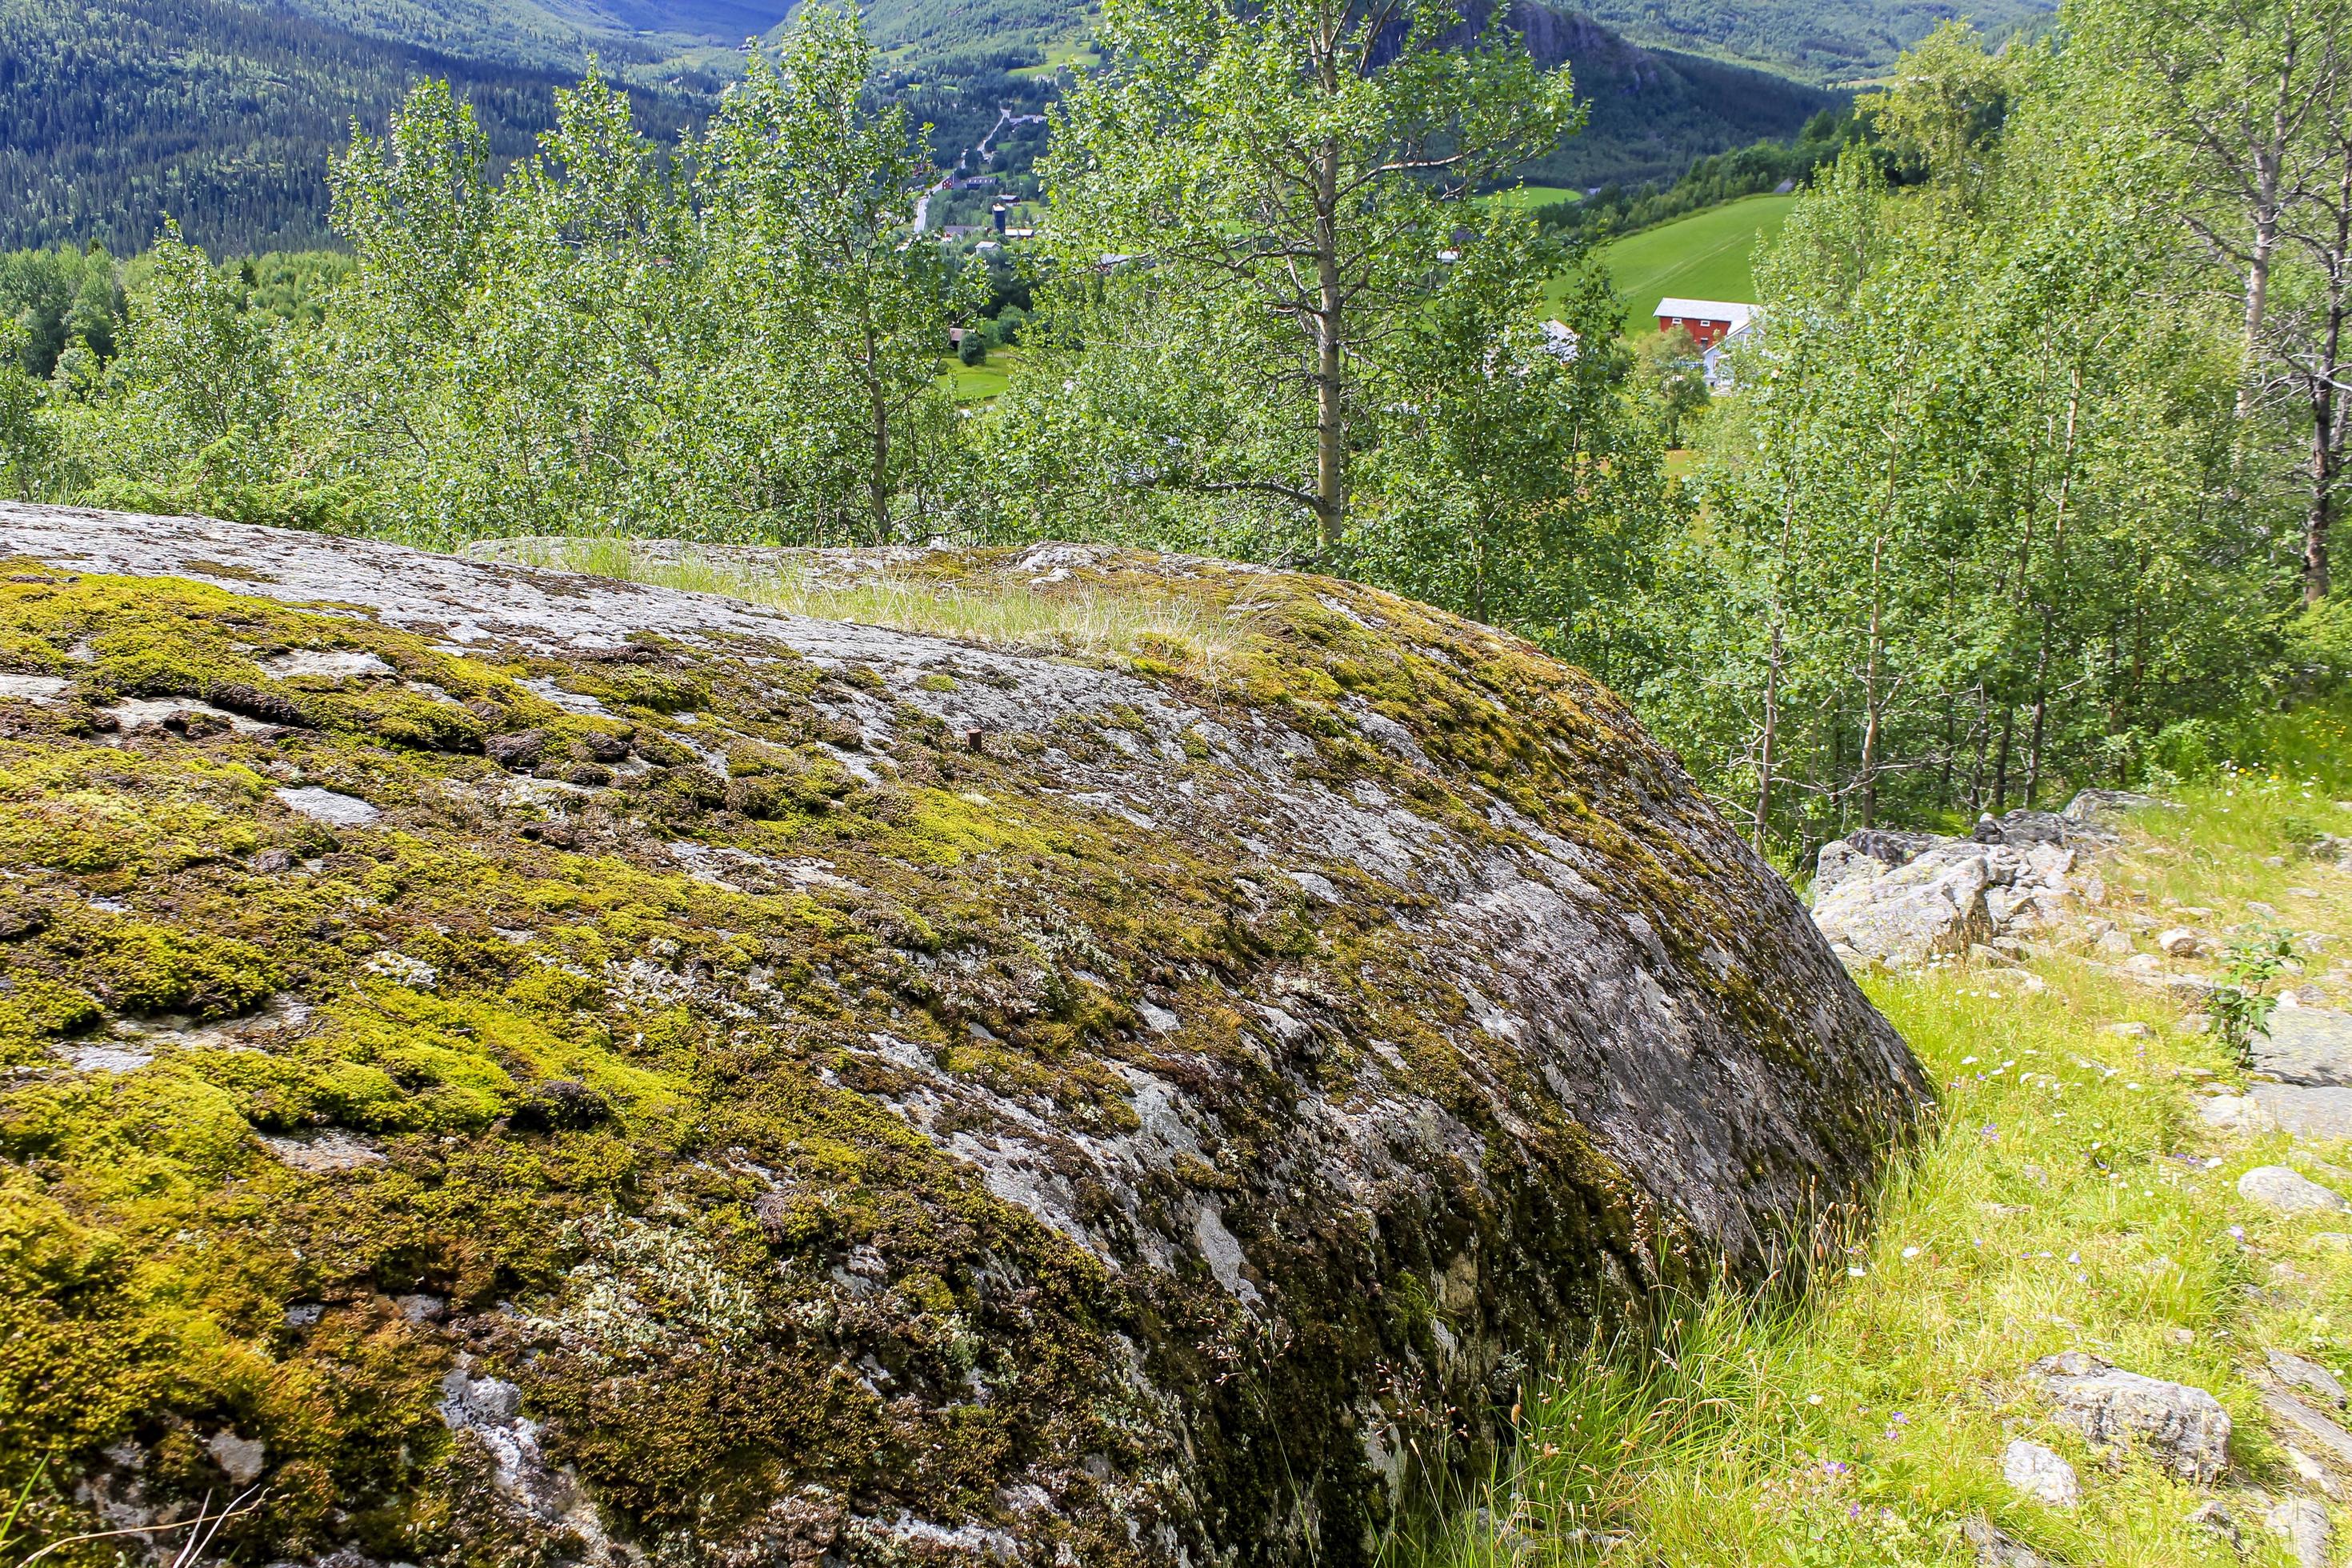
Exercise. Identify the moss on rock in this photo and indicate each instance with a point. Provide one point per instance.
(837, 1095)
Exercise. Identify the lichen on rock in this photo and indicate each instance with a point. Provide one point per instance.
(572, 1071)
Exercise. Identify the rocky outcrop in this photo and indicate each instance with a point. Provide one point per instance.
(1905, 899)
(558, 1070)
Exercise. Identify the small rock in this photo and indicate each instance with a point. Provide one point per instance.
(303, 1314)
(2040, 1473)
(605, 746)
(2226, 1113)
(2298, 1373)
(2211, 1516)
(2317, 1427)
(2261, 910)
(2185, 1428)
(318, 1153)
(2310, 1471)
(2282, 1191)
(2303, 1525)
(195, 723)
(270, 862)
(2131, 1031)
(325, 806)
(241, 1457)
(2305, 1044)
(1995, 1550)
(2299, 1111)
(519, 752)
(2114, 941)
(2180, 942)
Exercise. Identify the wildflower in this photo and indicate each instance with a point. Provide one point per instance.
(1910, 1252)
(1812, 1399)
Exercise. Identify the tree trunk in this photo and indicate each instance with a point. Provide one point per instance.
(1870, 696)
(877, 476)
(2000, 760)
(2326, 433)
(1330, 343)
(1772, 673)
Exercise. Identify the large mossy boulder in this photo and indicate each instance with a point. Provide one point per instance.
(531, 1068)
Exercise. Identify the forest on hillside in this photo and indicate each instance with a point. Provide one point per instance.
(2029, 479)
(226, 115)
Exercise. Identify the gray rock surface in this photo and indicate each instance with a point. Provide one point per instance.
(2308, 1047)
(2183, 1428)
(2303, 1525)
(2041, 1473)
(2298, 1373)
(1044, 1103)
(1902, 899)
(2282, 1190)
(2322, 1430)
(1995, 1548)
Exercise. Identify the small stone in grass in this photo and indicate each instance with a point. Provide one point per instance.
(2295, 1372)
(2303, 1525)
(2131, 1031)
(2040, 1473)
(1995, 1550)
(2211, 1515)
(2310, 1471)
(2184, 1428)
(2282, 1191)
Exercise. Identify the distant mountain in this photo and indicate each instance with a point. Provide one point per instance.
(1822, 40)
(115, 113)
(1652, 110)
(225, 113)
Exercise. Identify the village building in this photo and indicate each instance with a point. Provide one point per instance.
(1709, 321)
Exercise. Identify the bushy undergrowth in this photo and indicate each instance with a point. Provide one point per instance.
(2069, 1199)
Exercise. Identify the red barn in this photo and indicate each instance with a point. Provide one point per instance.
(1709, 320)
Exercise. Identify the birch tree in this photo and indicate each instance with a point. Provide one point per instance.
(1299, 160)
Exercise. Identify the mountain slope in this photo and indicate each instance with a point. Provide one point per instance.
(113, 115)
(1823, 40)
(225, 114)
(1654, 110)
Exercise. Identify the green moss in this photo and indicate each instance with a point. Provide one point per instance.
(530, 1020)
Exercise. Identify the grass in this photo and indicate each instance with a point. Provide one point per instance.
(1532, 195)
(1073, 618)
(1706, 256)
(980, 382)
(1079, 54)
(2069, 1198)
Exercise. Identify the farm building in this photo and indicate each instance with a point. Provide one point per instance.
(1709, 320)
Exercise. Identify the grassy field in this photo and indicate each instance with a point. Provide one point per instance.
(979, 382)
(2068, 1198)
(1532, 195)
(1706, 256)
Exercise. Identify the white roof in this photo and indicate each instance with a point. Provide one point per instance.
(1730, 311)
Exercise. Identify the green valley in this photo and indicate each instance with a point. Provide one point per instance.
(1707, 255)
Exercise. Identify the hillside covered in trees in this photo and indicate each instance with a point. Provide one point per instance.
(226, 115)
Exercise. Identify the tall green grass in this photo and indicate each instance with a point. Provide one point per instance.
(2068, 1197)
